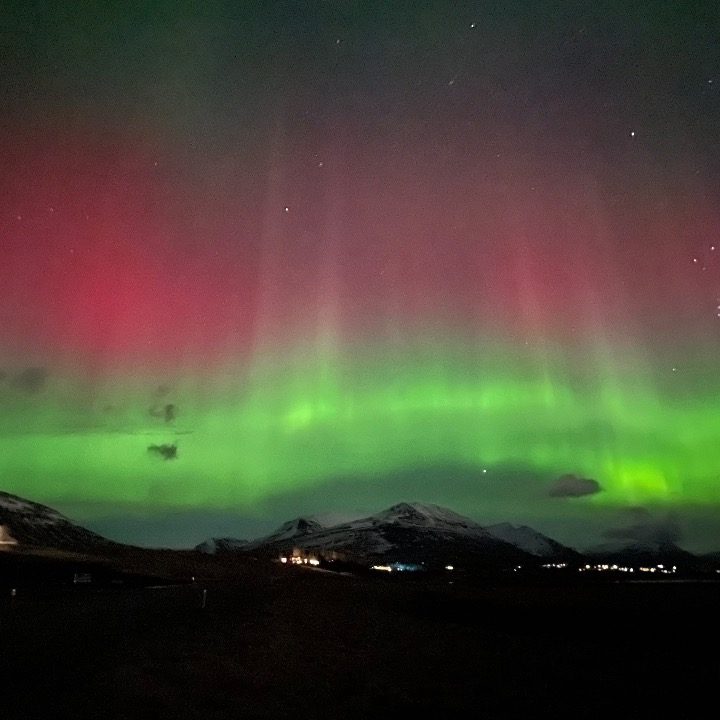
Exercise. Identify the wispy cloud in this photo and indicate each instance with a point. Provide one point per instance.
(574, 486)
(165, 451)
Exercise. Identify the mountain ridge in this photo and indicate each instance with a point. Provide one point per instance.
(422, 532)
(27, 523)
(406, 531)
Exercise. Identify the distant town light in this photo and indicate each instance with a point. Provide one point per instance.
(283, 560)
(449, 567)
(384, 568)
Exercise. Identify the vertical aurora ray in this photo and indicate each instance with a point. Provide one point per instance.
(489, 412)
(308, 403)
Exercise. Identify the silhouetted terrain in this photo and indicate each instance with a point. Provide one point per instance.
(281, 642)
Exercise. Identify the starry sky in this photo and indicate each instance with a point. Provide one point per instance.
(269, 258)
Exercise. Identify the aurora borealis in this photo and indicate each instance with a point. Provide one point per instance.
(342, 254)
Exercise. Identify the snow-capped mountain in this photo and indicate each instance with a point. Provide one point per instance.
(407, 532)
(297, 528)
(213, 546)
(425, 515)
(530, 540)
(292, 529)
(419, 532)
(27, 523)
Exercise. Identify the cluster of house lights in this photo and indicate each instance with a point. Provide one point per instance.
(621, 568)
(404, 567)
(295, 560)
(599, 567)
(606, 567)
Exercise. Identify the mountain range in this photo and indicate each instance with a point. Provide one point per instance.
(406, 533)
(417, 533)
(434, 536)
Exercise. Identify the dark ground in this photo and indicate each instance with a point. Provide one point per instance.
(279, 642)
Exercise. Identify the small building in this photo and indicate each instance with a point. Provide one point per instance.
(6, 539)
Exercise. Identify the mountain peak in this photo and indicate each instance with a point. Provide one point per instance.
(297, 527)
(424, 514)
(14, 505)
(30, 523)
(214, 546)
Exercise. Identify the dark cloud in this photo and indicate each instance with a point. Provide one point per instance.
(167, 412)
(166, 452)
(643, 527)
(31, 380)
(574, 486)
(163, 391)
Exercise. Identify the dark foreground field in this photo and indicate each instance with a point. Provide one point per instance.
(276, 642)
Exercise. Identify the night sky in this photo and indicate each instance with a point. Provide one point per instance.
(269, 258)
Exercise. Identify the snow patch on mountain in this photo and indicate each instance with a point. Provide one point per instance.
(425, 515)
(212, 546)
(39, 513)
(295, 528)
(31, 523)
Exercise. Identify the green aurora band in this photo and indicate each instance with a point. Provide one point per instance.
(300, 422)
